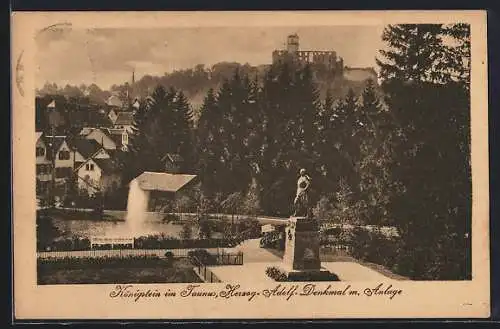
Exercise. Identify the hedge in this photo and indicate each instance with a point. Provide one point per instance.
(148, 242)
(98, 262)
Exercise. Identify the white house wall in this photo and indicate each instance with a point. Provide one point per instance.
(94, 177)
(69, 163)
(64, 163)
(42, 159)
(112, 116)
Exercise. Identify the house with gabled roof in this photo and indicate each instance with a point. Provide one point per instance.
(114, 101)
(157, 189)
(97, 175)
(120, 137)
(136, 103)
(112, 115)
(44, 168)
(88, 148)
(101, 136)
(63, 157)
(124, 120)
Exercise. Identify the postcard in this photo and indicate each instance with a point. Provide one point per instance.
(250, 165)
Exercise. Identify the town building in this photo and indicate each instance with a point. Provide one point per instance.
(98, 175)
(124, 120)
(114, 102)
(75, 162)
(44, 167)
(120, 137)
(112, 115)
(156, 190)
(63, 158)
(86, 149)
(101, 136)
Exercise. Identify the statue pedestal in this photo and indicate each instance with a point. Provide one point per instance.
(301, 259)
(301, 244)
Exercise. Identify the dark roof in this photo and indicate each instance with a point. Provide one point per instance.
(78, 164)
(113, 153)
(86, 147)
(156, 181)
(98, 118)
(125, 118)
(107, 165)
(117, 139)
(57, 140)
(115, 135)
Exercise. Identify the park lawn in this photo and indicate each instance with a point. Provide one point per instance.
(180, 271)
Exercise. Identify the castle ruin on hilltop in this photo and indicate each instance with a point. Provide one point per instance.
(326, 65)
(316, 58)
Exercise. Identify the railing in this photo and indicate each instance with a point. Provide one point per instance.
(204, 272)
(340, 247)
(230, 259)
(179, 253)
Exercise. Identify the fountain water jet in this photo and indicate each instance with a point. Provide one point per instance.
(137, 206)
(140, 189)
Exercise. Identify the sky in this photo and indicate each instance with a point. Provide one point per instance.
(108, 56)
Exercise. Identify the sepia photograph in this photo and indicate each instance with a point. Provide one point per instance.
(302, 158)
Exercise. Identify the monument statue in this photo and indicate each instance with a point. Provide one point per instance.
(301, 261)
(301, 201)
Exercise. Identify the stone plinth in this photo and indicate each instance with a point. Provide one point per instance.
(301, 245)
(301, 260)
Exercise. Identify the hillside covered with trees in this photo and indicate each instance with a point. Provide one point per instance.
(194, 82)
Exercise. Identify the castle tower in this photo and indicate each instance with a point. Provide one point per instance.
(292, 43)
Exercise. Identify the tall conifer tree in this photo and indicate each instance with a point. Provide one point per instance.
(430, 104)
(183, 133)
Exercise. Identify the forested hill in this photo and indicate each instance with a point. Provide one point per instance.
(195, 82)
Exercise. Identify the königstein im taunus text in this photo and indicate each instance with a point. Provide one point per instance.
(286, 292)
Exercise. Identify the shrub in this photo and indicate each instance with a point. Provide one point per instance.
(274, 240)
(143, 242)
(97, 262)
(374, 247)
(276, 274)
(202, 256)
(171, 218)
(46, 231)
(281, 276)
(250, 228)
